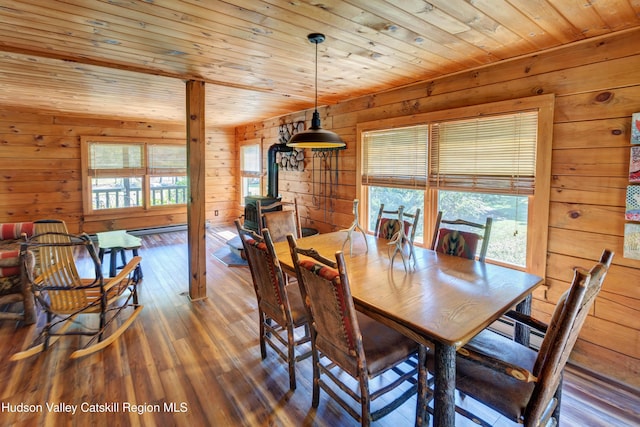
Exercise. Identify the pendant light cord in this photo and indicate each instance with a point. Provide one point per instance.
(316, 107)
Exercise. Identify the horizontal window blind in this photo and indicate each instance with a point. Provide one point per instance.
(106, 159)
(167, 159)
(395, 157)
(493, 154)
(250, 160)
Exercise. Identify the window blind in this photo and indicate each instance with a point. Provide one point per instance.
(167, 159)
(115, 158)
(395, 157)
(493, 154)
(250, 160)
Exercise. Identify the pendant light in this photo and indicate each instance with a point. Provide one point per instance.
(316, 137)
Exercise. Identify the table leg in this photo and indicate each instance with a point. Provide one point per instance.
(445, 385)
(112, 262)
(522, 332)
(422, 414)
(137, 275)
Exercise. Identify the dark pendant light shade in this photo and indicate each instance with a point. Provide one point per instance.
(316, 137)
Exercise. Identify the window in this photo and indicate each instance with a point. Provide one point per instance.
(471, 162)
(250, 171)
(121, 173)
(395, 170)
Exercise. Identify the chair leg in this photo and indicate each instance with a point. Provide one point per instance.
(103, 316)
(558, 397)
(263, 344)
(315, 401)
(365, 400)
(47, 330)
(291, 342)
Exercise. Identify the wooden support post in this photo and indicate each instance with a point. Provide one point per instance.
(196, 203)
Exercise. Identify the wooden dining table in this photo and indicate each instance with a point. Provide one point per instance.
(442, 301)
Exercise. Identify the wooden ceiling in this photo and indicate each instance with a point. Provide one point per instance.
(130, 58)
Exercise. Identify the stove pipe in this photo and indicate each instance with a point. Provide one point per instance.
(272, 168)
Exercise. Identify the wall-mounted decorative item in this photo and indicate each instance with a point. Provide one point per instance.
(634, 164)
(635, 128)
(632, 241)
(292, 160)
(287, 130)
(632, 210)
(632, 205)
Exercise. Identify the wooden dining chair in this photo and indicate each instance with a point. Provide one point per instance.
(399, 228)
(280, 218)
(348, 342)
(456, 239)
(521, 384)
(64, 294)
(390, 221)
(277, 302)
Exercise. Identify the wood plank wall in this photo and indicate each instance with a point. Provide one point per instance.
(41, 176)
(597, 88)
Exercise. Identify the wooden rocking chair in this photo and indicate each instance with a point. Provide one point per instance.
(64, 295)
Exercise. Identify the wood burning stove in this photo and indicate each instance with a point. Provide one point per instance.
(251, 220)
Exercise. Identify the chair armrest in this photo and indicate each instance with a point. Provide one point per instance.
(527, 320)
(496, 364)
(126, 270)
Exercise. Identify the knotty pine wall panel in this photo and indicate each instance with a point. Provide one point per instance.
(41, 171)
(597, 88)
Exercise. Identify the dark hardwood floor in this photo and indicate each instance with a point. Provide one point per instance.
(186, 363)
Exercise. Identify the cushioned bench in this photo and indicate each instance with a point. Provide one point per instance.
(14, 286)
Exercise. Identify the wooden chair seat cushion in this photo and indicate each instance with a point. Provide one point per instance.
(383, 346)
(321, 270)
(458, 243)
(389, 227)
(499, 390)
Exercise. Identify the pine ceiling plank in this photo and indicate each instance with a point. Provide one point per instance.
(337, 22)
(475, 27)
(448, 43)
(221, 65)
(549, 19)
(583, 16)
(618, 14)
